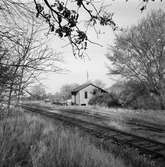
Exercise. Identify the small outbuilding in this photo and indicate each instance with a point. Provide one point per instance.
(83, 93)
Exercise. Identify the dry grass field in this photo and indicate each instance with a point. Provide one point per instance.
(151, 116)
(145, 123)
(31, 140)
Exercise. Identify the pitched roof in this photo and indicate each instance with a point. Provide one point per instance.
(84, 86)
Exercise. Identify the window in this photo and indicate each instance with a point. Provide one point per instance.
(94, 91)
(86, 95)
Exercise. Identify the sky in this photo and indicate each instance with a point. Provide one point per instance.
(126, 14)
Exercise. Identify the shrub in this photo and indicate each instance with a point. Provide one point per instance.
(107, 100)
(132, 94)
(136, 96)
(143, 102)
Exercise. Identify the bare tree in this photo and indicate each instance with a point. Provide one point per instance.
(65, 91)
(25, 56)
(23, 53)
(63, 17)
(38, 92)
(139, 54)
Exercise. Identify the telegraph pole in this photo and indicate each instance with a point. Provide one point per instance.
(87, 76)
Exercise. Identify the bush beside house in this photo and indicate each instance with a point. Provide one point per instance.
(107, 100)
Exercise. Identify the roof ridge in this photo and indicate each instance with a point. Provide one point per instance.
(85, 85)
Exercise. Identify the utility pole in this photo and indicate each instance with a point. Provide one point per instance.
(87, 76)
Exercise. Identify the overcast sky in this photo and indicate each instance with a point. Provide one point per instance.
(125, 15)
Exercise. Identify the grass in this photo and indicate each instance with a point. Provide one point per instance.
(151, 116)
(122, 119)
(31, 140)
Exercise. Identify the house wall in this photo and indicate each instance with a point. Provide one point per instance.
(76, 98)
(79, 97)
(89, 90)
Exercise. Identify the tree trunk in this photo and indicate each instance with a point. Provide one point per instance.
(9, 99)
(20, 87)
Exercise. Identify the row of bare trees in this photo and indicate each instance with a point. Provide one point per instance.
(24, 53)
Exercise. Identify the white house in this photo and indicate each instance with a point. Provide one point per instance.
(82, 94)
